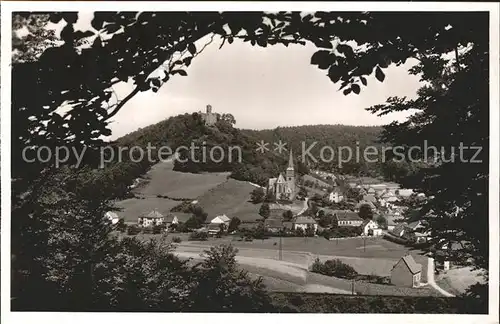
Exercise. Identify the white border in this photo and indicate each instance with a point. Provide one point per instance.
(8, 7)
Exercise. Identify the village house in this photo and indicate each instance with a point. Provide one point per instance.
(154, 218)
(406, 273)
(171, 220)
(346, 218)
(392, 220)
(422, 233)
(399, 229)
(284, 187)
(365, 202)
(336, 196)
(112, 217)
(273, 225)
(370, 228)
(404, 193)
(214, 228)
(221, 219)
(305, 222)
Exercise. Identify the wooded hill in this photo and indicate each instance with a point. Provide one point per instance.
(257, 167)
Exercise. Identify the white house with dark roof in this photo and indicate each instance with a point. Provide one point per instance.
(406, 272)
(370, 228)
(305, 222)
(154, 218)
(347, 218)
(336, 196)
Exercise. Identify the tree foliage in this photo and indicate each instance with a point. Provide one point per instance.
(264, 210)
(365, 211)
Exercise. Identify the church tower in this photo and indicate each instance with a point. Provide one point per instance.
(290, 175)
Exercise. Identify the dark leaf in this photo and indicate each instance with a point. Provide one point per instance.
(97, 23)
(70, 17)
(181, 72)
(322, 58)
(363, 80)
(111, 28)
(345, 49)
(192, 48)
(323, 43)
(379, 74)
(156, 82)
(347, 91)
(67, 33)
(384, 63)
(355, 88)
(333, 73)
(79, 34)
(230, 40)
(187, 60)
(97, 42)
(55, 17)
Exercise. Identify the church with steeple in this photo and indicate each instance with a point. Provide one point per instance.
(284, 187)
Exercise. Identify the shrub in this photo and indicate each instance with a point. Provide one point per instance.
(233, 224)
(257, 195)
(158, 229)
(121, 226)
(198, 236)
(176, 239)
(133, 230)
(334, 268)
(147, 230)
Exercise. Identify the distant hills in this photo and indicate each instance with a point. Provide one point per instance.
(189, 129)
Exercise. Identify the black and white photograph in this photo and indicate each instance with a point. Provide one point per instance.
(265, 157)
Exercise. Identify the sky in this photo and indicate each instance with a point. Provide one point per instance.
(262, 88)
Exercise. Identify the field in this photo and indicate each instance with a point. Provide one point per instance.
(349, 250)
(162, 180)
(231, 198)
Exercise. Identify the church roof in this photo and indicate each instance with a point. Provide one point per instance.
(280, 179)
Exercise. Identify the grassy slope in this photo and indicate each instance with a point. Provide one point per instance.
(164, 181)
(231, 198)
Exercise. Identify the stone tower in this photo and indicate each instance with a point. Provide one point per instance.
(209, 117)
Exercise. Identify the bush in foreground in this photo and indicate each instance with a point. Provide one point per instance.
(198, 236)
(334, 268)
(328, 303)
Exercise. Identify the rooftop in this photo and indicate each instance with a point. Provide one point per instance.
(273, 223)
(347, 215)
(153, 214)
(304, 220)
(370, 198)
(412, 265)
